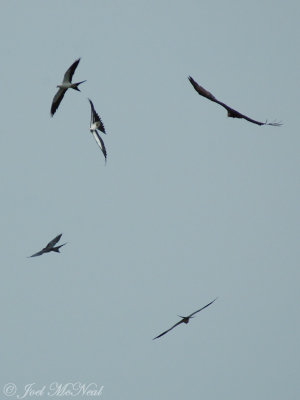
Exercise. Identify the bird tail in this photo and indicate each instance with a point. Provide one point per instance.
(56, 249)
(75, 85)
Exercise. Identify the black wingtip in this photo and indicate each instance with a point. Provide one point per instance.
(214, 300)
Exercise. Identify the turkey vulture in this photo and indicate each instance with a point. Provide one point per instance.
(50, 247)
(230, 111)
(184, 319)
(95, 124)
(66, 84)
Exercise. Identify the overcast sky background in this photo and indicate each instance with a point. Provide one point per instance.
(190, 206)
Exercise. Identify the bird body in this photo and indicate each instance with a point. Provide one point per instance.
(230, 111)
(64, 86)
(184, 320)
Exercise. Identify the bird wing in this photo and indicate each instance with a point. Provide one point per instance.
(203, 92)
(236, 114)
(100, 143)
(168, 330)
(53, 242)
(39, 253)
(96, 118)
(92, 112)
(70, 72)
(57, 99)
(195, 312)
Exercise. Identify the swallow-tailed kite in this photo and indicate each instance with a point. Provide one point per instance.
(50, 247)
(95, 124)
(66, 84)
(230, 111)
(184, 319)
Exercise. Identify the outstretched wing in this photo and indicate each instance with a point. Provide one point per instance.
(231, 112)
(53, 242)
(92, 112)
(95, 118)
(100, 143)
(70, 72)
(195, 312)
(236, 114)
(57, 99)
(39, 253)
(203, 92)
(178, 323)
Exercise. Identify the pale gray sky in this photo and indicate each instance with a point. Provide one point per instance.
(190, 206)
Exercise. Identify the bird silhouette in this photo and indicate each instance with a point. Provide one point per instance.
(66, 84)
(184, 320)
(50, 247)
(230, 111)
(95, 124)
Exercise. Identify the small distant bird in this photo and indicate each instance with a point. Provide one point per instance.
(95, 124)
(184, 319)
(230, 111)
(50, 247)
(66, 84)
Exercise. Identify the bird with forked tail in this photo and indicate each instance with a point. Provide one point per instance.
(66, 84)
(50, 247)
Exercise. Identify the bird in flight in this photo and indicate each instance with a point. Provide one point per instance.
(66, 84)
(95, 124)
(50, 247)
(184, 319)
(230, 111)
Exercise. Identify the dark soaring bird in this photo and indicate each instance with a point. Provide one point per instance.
(95, 124)
(184, 319)
(230, 111)
(66, 84)
(50, 247)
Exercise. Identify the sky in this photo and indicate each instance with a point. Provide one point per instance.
(190, 206)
